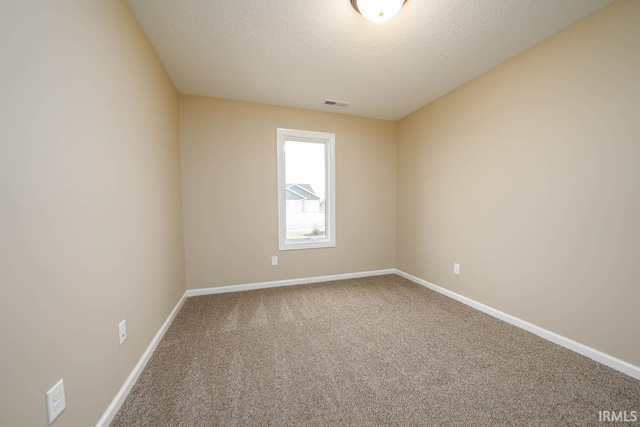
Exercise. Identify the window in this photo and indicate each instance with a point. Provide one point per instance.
(306, 189)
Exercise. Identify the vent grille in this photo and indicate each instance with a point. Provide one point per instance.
(336, 103)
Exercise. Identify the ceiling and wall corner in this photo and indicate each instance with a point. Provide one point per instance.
(91, 220)
(297, 54)
(90, 134)
(528, 177)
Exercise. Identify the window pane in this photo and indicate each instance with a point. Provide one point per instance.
(305, 177)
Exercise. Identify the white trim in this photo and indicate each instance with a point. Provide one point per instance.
(591, 353)
(122, 394)
(328, 140)
(289, 282)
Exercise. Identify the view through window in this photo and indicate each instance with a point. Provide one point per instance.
(305, 181)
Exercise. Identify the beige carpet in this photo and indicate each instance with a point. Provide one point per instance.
(372, 351)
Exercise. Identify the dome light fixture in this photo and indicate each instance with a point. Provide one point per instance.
(378, 10)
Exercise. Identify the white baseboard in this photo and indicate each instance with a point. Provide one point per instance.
(591, 353)
(598, 356)
(290, 282)
(117, 402)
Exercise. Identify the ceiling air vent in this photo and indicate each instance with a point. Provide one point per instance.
(336, 103)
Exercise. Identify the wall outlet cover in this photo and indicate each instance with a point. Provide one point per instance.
(122, 331)
(56, 401)
(456, 268)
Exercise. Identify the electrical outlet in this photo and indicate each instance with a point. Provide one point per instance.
(56, 401)
(456, 268)
(122, 331)
(274, 260)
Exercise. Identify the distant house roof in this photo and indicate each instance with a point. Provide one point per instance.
(300, 192)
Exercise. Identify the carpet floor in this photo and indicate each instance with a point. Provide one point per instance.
(371, 351)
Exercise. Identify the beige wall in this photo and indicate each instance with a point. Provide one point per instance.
(91, 229)
(230, 193)
(529, 177)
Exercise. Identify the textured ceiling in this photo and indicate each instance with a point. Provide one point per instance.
(298, 53)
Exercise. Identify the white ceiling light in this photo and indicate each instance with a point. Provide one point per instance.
(378, 10)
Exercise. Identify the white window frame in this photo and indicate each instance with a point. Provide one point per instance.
(329, 141)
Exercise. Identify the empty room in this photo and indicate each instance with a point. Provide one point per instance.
(319, 213)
